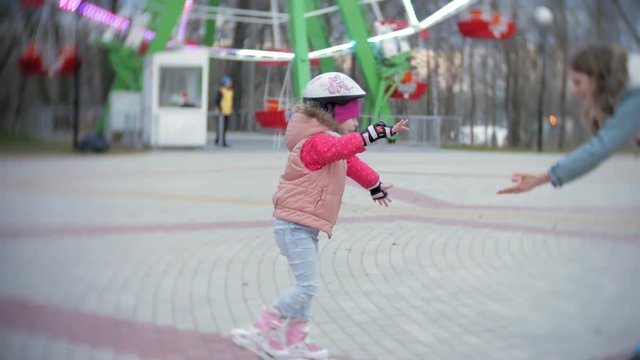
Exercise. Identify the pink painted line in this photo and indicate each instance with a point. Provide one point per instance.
(625, 355)
(555, 210)
(129, 337)
(419, 199)
(119, 335)
(444, 174)
(422, 200)
(411, 197)
(494, 226)
(12, 234)
(55, 231)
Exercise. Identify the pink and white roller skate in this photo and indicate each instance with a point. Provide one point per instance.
(298, 344)
(264, 337)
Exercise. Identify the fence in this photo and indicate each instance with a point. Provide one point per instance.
(432, 131)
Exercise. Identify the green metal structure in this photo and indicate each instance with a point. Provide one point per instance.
(298, 36)
(163, 22)
(355, 22)
(318, 37)
(128, 64)
(380, 75)
(210, 30)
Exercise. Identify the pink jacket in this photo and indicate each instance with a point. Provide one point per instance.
(311, 188)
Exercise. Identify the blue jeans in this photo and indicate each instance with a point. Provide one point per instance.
(299, 244)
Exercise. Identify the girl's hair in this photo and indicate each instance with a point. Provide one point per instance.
(323, 116)
(607, 66)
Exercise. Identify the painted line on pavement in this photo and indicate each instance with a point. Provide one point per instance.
(123, 336)
(17, 233)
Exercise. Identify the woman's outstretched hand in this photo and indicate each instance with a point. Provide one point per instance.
(524, 182)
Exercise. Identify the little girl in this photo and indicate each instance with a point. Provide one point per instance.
(323, 150)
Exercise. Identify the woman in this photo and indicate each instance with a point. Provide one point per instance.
(607, 79)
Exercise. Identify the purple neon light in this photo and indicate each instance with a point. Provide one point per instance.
(69, 5)
(188, 4)
(149, 35)
(103, 16)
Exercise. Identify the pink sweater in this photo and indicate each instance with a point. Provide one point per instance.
(311, 188)
(322, 149)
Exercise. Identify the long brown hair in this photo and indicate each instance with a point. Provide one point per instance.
(607, 66)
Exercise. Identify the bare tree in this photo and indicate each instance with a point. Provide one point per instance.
(627, 21)
(512, 105)
(454, 76)
(239, 37)
(472, 88)
(493, 93)
(563, 42)
(485, 93)
(598, 16)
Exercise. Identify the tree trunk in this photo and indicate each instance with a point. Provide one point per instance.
(239, 37)
(428, 64)
(485, 93)
(434, 84)
(627, 22)
(493, 109)
(564, 45)
(514, 119)
(472, 88)
(456, 78)
(507, 88)
(599, 21)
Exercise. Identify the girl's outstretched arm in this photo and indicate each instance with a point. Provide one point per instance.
(323, 149)
(364, 175)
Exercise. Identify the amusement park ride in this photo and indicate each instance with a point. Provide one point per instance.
(157, 67)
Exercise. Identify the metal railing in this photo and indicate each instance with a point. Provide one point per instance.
(428, 130)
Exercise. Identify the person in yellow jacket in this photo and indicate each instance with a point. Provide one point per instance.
(224, 107)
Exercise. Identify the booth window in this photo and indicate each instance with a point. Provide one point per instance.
(180, 87)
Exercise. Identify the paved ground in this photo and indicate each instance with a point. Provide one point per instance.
(158, 255)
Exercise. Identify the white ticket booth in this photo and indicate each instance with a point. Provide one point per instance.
(176, 93)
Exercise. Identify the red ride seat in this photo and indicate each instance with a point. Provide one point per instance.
(270, 119)
(275, 120)
(31, 62)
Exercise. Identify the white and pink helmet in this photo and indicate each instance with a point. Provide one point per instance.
(332, 87)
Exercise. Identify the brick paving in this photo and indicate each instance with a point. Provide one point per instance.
(157, 255)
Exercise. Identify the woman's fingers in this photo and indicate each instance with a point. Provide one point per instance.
(519, 180)
(510, 190)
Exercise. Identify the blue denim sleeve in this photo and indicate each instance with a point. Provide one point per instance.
(616, 132)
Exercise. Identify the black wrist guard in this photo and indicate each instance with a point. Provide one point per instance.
(377, 193)
(375, 132)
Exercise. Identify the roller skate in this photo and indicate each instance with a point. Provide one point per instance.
(264, 337)
(299, 346)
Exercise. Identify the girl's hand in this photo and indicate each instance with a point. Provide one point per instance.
(400, 126)
(525, 182)
(386, 200)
